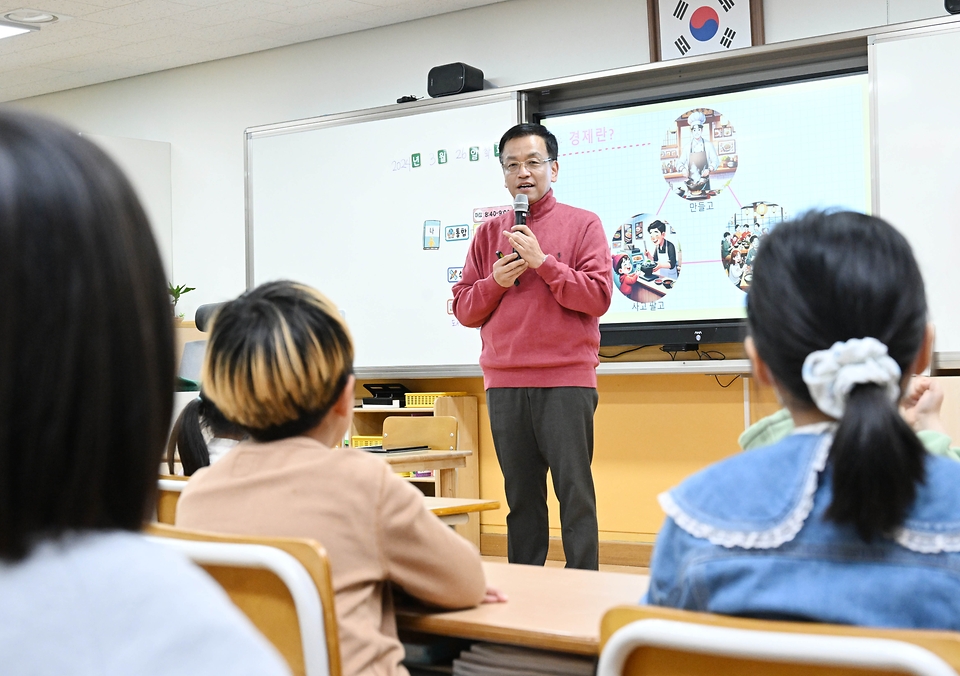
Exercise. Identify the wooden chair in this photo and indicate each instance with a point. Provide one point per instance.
(282, 584)
(637, 640)
(438, 432)
(169, 488)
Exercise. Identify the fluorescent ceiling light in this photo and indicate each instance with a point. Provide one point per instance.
(8, 30)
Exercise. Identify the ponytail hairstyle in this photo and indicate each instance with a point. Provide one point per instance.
(277, 360)
(187, 434)
(829, 277)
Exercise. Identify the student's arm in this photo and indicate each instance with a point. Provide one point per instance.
(423, 555)
(920, 407)
(938, 443)
(666, 584)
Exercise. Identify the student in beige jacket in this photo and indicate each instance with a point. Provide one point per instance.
(279, 363)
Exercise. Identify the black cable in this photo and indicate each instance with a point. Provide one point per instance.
(735, 378)
(618, 354)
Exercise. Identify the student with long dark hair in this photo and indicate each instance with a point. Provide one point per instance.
(848, 519)
(86, 388)
(188, 438)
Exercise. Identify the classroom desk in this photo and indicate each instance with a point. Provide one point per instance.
(456, 511)
(444, 462)
(452, 511)
(549, 608)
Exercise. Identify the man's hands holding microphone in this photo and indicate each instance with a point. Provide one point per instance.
(526, 254)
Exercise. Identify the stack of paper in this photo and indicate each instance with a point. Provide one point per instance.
(487, 659)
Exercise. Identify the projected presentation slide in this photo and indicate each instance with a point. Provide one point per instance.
(687, 189)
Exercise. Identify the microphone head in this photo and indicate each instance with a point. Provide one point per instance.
(521, 203)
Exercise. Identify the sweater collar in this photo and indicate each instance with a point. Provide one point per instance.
(544, 205)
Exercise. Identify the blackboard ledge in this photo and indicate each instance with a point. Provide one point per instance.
(945, 364)
(709, 367)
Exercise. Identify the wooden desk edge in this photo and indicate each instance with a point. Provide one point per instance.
(412, 465)
(464, 509)
(412, 620)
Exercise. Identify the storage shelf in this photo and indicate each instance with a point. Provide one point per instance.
(394, 411)
(369, 422)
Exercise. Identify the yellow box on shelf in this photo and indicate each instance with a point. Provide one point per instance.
(360, 441)
(427, 399)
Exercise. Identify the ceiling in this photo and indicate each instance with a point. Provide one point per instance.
(102, 40)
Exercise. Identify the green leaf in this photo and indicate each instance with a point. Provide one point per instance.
(179, 290)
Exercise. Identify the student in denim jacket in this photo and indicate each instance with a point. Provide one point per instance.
(847, 519)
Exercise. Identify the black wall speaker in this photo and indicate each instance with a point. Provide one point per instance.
(455, 78)
(952, 6)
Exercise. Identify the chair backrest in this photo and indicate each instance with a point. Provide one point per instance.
(639, 640)
(191, 361)
(438, 432)
(169, 488)
(282, 584)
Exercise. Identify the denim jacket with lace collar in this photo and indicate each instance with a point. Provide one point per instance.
(747, 536)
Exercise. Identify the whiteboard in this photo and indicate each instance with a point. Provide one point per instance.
(915, 107)
(376, 209)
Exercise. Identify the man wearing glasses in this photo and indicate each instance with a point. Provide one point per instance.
(540, 343)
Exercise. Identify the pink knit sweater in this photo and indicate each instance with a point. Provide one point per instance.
(544, 332)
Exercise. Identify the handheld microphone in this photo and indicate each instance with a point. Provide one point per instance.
(521, 205)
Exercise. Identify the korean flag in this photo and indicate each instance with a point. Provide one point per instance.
(689, 28)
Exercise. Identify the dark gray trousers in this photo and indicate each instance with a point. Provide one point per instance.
(535, 429)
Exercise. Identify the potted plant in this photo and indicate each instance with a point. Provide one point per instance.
(175, 293)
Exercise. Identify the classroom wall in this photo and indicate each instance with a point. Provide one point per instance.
(203, 110)
(651, 430)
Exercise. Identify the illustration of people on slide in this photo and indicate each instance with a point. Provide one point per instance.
(642, 271)
(742, 238)
(698, 156)
(726, 249)
(624, 276)
(665, 262)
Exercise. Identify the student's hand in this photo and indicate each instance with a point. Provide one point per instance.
(494, 595)
(525, 242)
(921, 404)
(507, 269)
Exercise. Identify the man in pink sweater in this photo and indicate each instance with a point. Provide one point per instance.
(540, 343)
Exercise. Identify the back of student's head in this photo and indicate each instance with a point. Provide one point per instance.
(187, 439)
(832, 277)
(86, 340)
(277, 359)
